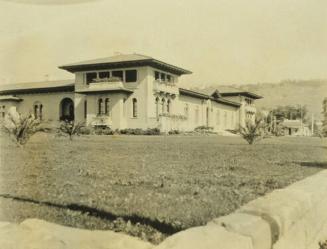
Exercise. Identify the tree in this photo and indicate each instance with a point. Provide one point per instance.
(289, 112)
(324, 113)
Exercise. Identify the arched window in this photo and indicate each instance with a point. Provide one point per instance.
(100, 106)
(36, 111)
(134, 107)
(168, 106)
(106, 106)
(40, 112)
(157, 107)
(163, 105)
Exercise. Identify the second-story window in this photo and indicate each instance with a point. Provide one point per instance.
(130, 75)
(118, 74)
(90, 77)
(156, 75)
(104, 75)
(162, 76)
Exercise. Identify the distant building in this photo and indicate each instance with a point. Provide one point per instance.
(129, 91)
(295, 128)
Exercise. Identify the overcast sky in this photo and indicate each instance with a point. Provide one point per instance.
(221, 41)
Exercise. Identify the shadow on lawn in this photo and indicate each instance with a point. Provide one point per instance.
(105, 215)
(321, 165)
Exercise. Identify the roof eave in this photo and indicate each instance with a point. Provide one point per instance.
(116, 65)
(193, 93)
(248, 94)
(38, 90)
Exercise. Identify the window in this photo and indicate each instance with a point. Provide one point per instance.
(90, 77)
(134, 108)
(168, 78)
(196, 115)
(100, 106)
(131, 75)
(168, 106)
(85, 109)
(36, 111)
(3, 111)
(40, 112)
(162, 77)
(156, 75)
(163, 101)
(103, 75)
(106, 106)
(218, 117)
(186, 110)
(118, 74)
(225, 119)
(124, 107)
(157, 108)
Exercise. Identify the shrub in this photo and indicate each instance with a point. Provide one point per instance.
(85, 131)
(203, 128)
(323, 245)
(20, 128)
(70, 129)
(138, 131)
(253, 131)
(152, 131)
(174, 132)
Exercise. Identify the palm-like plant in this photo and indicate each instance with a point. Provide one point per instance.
(253, 130)
(70, 129)
(21, 128)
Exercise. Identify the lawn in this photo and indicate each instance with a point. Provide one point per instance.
(147, 186)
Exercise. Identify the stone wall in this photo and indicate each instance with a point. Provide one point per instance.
(294, 217)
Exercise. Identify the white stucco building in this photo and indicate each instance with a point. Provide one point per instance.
(129, 91)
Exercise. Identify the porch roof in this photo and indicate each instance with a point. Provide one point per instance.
(123, 61)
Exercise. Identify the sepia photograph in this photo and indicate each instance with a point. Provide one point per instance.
(161, 124)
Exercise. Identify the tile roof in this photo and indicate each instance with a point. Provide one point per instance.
(37, 86)
(123, 60)
(112, 59)
(208, 96)
(228, 91)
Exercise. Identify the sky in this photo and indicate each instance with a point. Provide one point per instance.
(220, 41)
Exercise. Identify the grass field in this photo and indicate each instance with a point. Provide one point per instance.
(178, 181)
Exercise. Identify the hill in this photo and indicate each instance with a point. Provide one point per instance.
(291, 92)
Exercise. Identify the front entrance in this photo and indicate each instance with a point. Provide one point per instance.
(66, 111)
